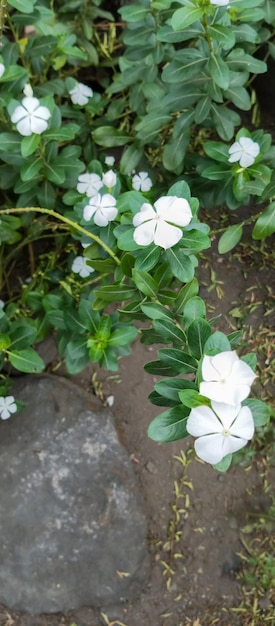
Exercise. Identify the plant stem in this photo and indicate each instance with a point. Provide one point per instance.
(71, 223)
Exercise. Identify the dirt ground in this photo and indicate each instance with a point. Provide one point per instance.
(197, 517)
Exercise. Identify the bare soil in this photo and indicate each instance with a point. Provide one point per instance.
(196, 516)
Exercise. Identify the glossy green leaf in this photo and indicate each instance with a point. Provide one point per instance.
(217, 342)
(260, 411)
(230, 238)
(180, 264)
(185, 293)
(123, 335)
(181, 362)
(27, 361)
(145, 283)
(170, 425)
(193, 308)
(197, 334)
(191, 398)
(265, 224)
(29, 145)
(185, 16)
(109, 137)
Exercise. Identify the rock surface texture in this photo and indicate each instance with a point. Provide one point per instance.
(72, 525)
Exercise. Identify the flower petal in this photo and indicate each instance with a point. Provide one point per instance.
(174, 210)
(24, 126)
(249, 146)
(30, 104)
(166, 235)
(210, 448)
(224, 392)
(219, 366)
(144, 234)
(246, 160)
(203, 421)
(88, 212)
(242, 373)
(18, 114)
(145, 213)
(226, 413)
(43, 113)
(244, 424)
(38, 125)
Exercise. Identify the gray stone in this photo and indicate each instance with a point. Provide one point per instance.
(72, 524)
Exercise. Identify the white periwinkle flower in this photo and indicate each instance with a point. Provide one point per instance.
(80, 267)
(30, 117)
(221, 430)
(158, 224)
(102, 209)
(109, 179)
(27, 91)
(142, 182)
(2, 304)
(2, 69)
(89, 184)
(7, 407)
(109, 160)
(220, 3)
(226, 378)
(245, 151)
(80, 94)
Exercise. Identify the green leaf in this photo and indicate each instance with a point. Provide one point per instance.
(22, 334)
(130, 158)
(182, 18)
(147, 258)
(127, 264)
(31, 168)
(27, 361)
(170, 425)
(219, 71)
(185, 293)
(169, 332)
(123, 335)
(197, 334)
(265, 224)
(65, 133)
(174, 152)
(133, 13)
(180, 264)
(145, 283)
(202, 109)
(29, 145)
(115, 293)
(224, 464)
(260, 411)
(194, 307)
(191, 398)
(224, 35)
(159, 368)
(87, 316)
(25, 6)
(156, 311)
(194, 241)
(170, 387)
(217, 151)
(109, 137)
(251, 360)
(230, 238)
(179, 361)
(217, 342)
(76, 355)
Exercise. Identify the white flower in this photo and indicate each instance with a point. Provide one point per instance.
(7, 407)
(245, 151)
(142, 182)
(109, 179)
(2, 304)
(109, 160)
(89, 184)
(221, 430)
(27, 91)
(80, 94)
(30, 117)
(157, 225)
(102, 208)
(80, 267)
(226, 378)
(2, 69)
(220, 3)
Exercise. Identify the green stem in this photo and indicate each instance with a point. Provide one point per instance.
(3, 15)
(249, 220)
(66, 220)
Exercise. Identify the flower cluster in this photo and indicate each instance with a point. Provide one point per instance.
(226, 426)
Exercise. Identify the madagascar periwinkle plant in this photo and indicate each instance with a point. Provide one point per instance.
(114, 130)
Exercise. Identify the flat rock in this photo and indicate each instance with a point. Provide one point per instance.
(72, 523)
